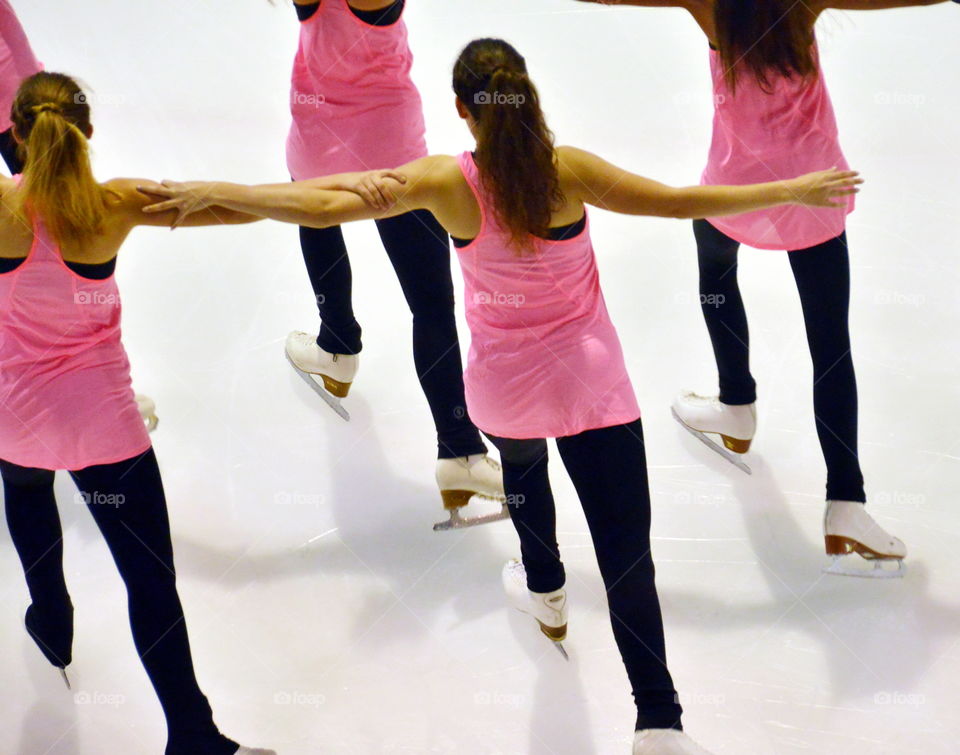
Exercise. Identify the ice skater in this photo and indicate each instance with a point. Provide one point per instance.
(66, 401)
(17, 62)
(545, 360)
(354, 108)
(773, 119)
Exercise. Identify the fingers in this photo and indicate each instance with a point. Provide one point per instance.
(386, 196)
(398, 177)
(171, 204)
(155, 191)
(367, 195)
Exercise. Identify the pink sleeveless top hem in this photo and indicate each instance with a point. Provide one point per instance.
(545, 360)
(353, 103)
(66, 399)
(759, 137)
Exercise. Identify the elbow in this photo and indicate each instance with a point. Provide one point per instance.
(318, 212)
(678, 210)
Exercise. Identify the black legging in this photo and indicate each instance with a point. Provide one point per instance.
(822, 274)
(419, 250)
(609, 471)
(128, 505)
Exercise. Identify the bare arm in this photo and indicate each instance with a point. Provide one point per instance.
(599, 183)
(312, 203)
(132, 201)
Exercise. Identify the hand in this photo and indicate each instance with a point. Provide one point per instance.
(185, 198)
(374, 187)
(821, 188)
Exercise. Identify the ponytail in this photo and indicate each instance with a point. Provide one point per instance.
(515, 149)
(51, 115)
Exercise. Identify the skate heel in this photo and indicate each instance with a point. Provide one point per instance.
(557, 634)
(456, 499)
(837, 545)
(736, 445)
(335, 387)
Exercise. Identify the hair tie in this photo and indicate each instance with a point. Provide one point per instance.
(47, 107)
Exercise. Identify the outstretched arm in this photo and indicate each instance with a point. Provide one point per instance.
(130, 193)
(599, 183)
(313, 203)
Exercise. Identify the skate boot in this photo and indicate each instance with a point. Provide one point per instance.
(735, 424)
(467, 477)
(148, 410)
(52, 632)
(330, 375)
(548, 608)
(665, 742)
(849, 529)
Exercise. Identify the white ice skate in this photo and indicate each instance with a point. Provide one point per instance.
(849, 529)
(330, 375)
(548, 608)
(467, 478)
(665, 742)
(148, 410)
(736, 425)
(255, 751)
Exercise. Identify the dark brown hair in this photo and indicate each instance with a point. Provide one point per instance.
(515, 150)
(766, 38)
(51, 118)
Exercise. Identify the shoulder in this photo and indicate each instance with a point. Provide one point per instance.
(124, 198)
(573, 162)
(433, 172)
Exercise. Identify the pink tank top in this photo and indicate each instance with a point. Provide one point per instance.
(545, 360)
(17, 61)
(353, 102)
(66, 401)
(759, 137)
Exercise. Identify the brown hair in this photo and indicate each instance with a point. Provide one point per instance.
(765, 37)
(51, 117)
(515, 149)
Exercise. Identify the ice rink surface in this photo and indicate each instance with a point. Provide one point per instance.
(325, 615)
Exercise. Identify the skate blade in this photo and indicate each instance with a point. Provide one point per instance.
(563, 651)
(332, 401)
(66, 679)
(713, 446)
(879, 571)
(458, 522)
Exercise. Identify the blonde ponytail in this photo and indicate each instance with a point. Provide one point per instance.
(51, 118)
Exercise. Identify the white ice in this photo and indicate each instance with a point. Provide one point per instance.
(325, 614)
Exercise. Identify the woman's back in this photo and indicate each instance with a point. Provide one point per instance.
(545, 359)
(67, 400)
(762, 134)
